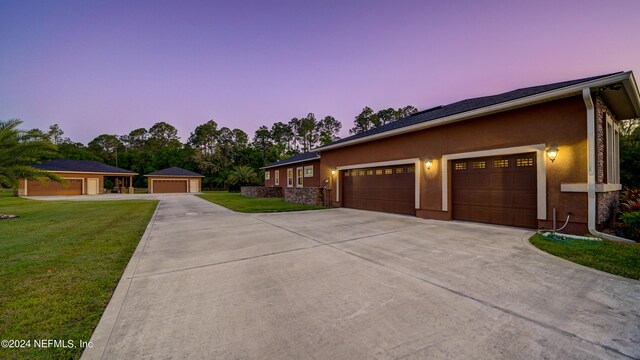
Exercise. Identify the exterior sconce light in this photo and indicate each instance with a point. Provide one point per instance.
(333, 171)
(428, 163)
(552, 152)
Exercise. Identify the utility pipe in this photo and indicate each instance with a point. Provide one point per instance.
(591, 169)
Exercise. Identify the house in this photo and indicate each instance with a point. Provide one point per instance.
(174, 180)
(84, 177)
(299, 171)
(507, 159)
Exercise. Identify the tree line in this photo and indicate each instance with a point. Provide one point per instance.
(210, 149)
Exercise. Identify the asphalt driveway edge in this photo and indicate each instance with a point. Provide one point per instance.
(102, 333)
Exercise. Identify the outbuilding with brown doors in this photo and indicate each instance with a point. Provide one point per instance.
(174, 180)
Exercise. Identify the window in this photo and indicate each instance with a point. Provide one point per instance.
(299, 177)
(460, 166)
(369, 172)
(308, 171)
(399, 170)
(346, 173)
(501, 163)
(388, 171)
(361, 172)
(354, 173)
(267, 175)
(479, 164)
(379, 172)
(411, 170)
(524, 162)
(276, 174)
(289, 177)
(613, 152)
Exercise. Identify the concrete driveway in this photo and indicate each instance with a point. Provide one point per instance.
(208, 283)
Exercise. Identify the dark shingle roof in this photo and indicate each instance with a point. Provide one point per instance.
(464, 106)
(174, 171)
(312, 155)
(81, 166)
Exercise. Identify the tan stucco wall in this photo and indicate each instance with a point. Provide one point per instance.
(562, 122)
(66, 175)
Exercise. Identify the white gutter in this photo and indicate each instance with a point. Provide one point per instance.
(565, 91)
(591, 169)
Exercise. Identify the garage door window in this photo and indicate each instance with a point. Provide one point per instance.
(479, 164)
(460, 166)
(503, 163)
(520, 162)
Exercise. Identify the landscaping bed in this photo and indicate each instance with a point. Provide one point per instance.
(239, 203)
(61, 261)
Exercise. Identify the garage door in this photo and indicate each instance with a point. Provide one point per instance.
(389, 189)
(170, 186)
(496, 190)
(36, 188)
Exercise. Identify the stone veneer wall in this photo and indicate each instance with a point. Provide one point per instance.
(261, 191)
(606, 202)
(308, 195)
(601, 137)
(606, 206)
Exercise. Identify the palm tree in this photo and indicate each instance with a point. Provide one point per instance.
(17, 155)
(242, 175)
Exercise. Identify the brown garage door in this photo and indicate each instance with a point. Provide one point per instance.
(36, 188)
(170, 186)
(389, 189)
(496, 190)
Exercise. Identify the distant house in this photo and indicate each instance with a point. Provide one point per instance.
(301, 170)
(84, 177)
(174, 180)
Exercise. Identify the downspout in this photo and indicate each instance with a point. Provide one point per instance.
(591, 168)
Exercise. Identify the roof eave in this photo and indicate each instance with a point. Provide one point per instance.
(537, 98)
(88, 172)
(289, 163)
(194, 176)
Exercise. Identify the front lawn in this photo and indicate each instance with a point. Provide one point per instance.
(237, 202)
(612, 257)
(60, 262)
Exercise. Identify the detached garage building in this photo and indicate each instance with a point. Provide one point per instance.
(505, 159)
(174, 180)
(83, 177)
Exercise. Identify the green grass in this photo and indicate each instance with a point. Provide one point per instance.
(60, 262)
(237, 202)
(612, 257)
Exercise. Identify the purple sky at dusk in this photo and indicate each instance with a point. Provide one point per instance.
(109, 67)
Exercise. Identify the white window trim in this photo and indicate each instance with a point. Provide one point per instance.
(290, 183)
(305, 171)
(613, 151)
(276, 174)
(267, 175)
(541, 172)
(415, 161)
(299, 179)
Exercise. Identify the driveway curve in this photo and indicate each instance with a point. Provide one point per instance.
(206, 282)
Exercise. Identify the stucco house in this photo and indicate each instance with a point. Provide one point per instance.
(506, 159)
(174, 180)
(84, 177)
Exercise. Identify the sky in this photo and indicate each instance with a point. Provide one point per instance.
(96, 67)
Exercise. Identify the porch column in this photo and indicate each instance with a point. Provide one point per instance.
(130, 184)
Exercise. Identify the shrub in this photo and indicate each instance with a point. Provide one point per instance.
(630, 200)
(631, 227)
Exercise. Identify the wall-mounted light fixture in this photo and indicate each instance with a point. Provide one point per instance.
(333, 171)
(552, 152)
(428, 163)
